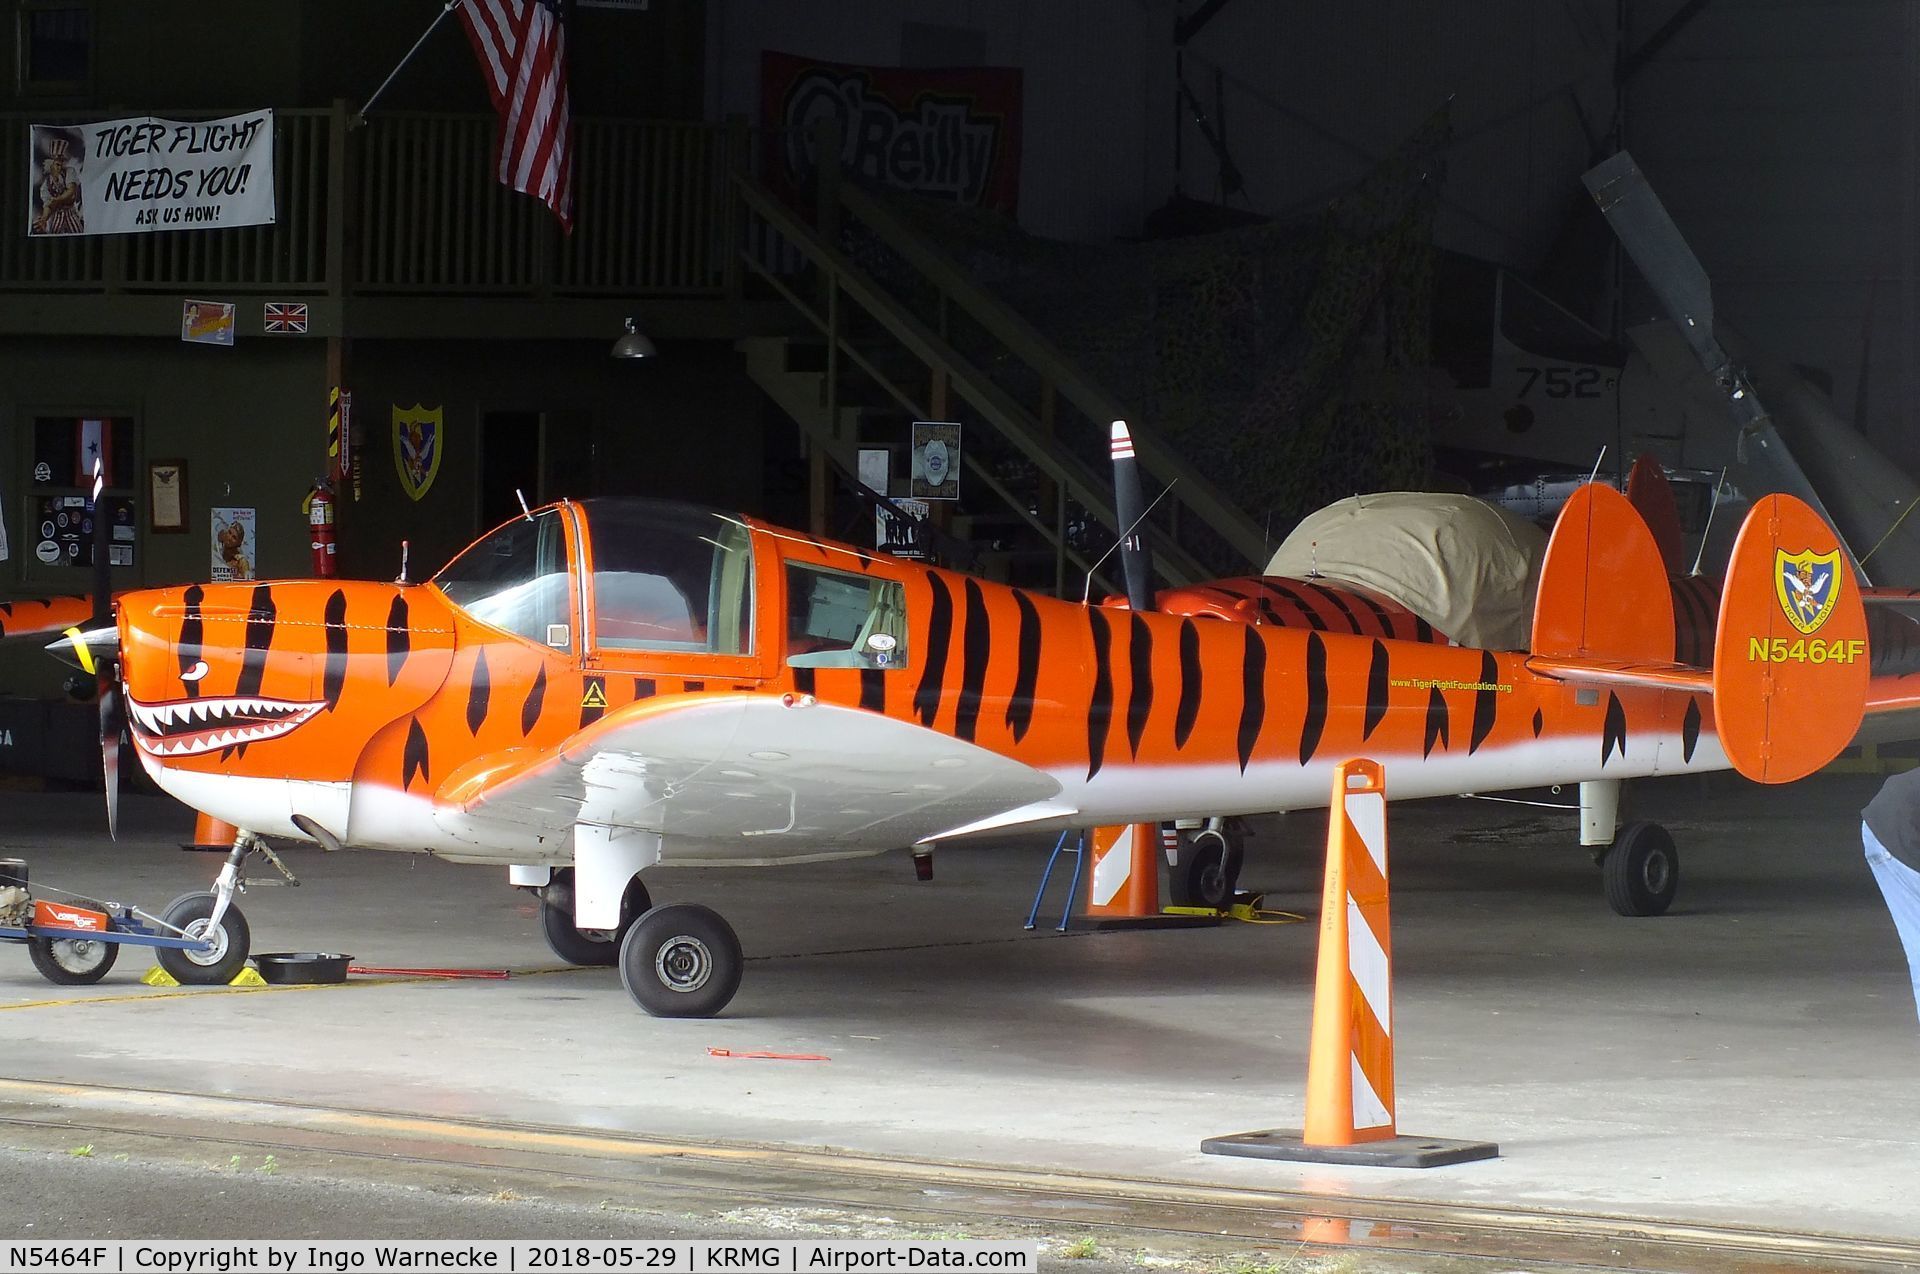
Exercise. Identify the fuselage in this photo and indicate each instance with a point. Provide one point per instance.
(346, 711)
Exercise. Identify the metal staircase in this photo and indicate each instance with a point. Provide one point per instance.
(889, 352)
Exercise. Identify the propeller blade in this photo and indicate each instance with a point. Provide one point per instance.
(1129, 510)
(1668, 265)
(1762, 460)
(113, 724)
(102, 566)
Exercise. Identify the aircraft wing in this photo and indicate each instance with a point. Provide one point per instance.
(742, 777)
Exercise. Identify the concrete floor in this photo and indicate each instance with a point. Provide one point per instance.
(1749, 1060)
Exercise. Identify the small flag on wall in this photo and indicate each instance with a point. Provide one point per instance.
(286, 318)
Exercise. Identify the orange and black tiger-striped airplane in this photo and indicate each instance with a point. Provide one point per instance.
(597, 688)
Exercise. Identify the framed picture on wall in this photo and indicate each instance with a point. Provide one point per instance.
(167, 496)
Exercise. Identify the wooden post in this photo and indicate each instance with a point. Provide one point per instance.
(739, 144)
(338, 203)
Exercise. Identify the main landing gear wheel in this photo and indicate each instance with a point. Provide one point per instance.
(1641, 871)
(681, 960)
(592, 947)
(73, 961)
(232, 941)
(1212, 870)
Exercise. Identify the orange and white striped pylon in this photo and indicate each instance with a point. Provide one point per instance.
(1350, 1063)
(1350, 1113)
(1125, 881)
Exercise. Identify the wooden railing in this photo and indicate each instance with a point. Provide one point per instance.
(408, 203)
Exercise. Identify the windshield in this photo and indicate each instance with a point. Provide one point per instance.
(516, 579)
(670, 577)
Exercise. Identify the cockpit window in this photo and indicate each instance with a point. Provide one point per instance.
(516, 579)
(670, 577)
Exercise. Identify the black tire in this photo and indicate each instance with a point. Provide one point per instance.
(232, 944)
(1641, 871)
(73, 961)
(574, 945)
(681, 960)
(1212, 870)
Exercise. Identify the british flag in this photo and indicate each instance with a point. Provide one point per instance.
(286, 317)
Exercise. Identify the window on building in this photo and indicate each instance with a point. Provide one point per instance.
(837, 620)
(56, 48)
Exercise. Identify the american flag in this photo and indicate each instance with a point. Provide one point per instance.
(522, 47)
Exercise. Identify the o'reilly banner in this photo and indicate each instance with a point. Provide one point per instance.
(132, 176)
(949, 132)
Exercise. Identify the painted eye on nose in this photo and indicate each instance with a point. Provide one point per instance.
(196, 672)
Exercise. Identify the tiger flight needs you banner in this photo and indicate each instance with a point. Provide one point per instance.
(134, 176)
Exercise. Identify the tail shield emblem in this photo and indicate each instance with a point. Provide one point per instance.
(417, 444)
(1808, 585)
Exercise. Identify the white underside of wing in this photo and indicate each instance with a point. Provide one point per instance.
(752, 776)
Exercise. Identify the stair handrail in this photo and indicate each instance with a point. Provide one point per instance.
(994, 402)
(1027, 343)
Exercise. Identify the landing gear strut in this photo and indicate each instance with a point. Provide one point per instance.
(1209, 867)
(212, 917)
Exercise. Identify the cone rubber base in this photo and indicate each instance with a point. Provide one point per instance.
(1390, 1152)
(1160, 920)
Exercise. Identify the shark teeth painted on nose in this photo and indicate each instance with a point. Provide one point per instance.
(190, 727)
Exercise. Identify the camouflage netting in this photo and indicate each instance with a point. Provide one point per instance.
(1277, 358)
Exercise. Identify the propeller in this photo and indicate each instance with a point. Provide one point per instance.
(96, 652)
(1849, 476)
(1129, 511)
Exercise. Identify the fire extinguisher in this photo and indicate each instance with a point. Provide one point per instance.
(320, 520)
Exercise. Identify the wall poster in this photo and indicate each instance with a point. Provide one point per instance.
(233, 544)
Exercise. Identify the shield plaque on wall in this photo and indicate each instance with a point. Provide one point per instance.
(417, 444)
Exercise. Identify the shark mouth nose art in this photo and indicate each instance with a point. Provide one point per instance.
(189, 727)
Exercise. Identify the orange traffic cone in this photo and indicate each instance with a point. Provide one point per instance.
(1350, 1101)
(212, 835)
(1123, 886)
(1125, 881)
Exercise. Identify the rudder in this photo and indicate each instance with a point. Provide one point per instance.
(1790, 659)
(1603, 584)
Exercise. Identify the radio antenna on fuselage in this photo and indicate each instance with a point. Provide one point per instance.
(1707, 530)
(1086, 594)
(521, 496)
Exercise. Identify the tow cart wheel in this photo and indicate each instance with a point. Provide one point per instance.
(232, 941)
(1641, 871)
(584, 946)
(73, 961)
(1213, 870)
(681, 960)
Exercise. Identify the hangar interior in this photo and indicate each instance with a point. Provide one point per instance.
(1306, 251)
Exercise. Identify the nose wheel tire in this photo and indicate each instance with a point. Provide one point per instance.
(231, 942)
(681, 960)
(590, 947)
(1642, 870)
(73, 961)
